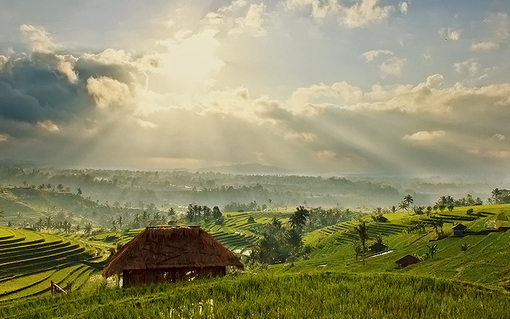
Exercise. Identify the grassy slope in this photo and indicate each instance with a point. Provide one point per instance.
(327, 284)
(29, 261)
(311, 295)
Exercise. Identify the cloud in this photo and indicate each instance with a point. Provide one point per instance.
(499, 137)
(497, 25)
(3, 61)
(235, 19)
(471, 66)
(192, 60)
(252, 23)
(312, 100)
(364, 12)
(403, 7)
(107, 91)
(4, 138)
(326, 155)
(38, 38)
(49, 126)
(450, 34)
(424, 136)
(484, 46)
(373, 54)
(66, 66)
(391, 66)
(360, 14)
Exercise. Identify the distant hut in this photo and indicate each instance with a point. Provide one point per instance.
(407, 260)
(377, 248)
(459, 230)
(170, 254)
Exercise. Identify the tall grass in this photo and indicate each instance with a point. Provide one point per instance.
(313, 295)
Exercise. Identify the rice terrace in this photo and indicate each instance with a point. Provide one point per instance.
(255, 159)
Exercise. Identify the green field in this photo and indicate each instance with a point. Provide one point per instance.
(468, 276)
(29, 261)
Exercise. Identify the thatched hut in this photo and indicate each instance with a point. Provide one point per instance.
(407, 260)
(377, 248)
(459, 230)
(170, 254)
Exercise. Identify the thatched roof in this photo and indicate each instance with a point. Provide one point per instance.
(407, 260)
(459, 227)
(168, 247)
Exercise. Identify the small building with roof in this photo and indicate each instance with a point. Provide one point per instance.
(377, 248)
(170, 254)
(407, 260)
(459, 230)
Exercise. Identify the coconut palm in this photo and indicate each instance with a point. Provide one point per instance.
(298, 219)
(362, 236)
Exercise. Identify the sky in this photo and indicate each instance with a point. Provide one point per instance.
(312, 86)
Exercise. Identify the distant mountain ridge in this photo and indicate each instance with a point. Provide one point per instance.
(247, 169)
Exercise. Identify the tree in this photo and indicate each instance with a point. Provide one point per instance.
(79, 192)
(298, 219)
(437, 226)
(216, 212)
(88, 229)
(406, 202)
(362, 237)
(496, 194)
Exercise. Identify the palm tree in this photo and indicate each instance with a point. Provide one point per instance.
(362, 234)
(298, 219)
(496, 193)
(407, 201)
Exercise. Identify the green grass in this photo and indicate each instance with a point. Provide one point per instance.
(328, 283)
(30, 260)
(319, 294)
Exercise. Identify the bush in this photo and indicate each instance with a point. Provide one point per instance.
(469, 211)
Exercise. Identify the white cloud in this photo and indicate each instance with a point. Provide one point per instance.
(484, 46)
(65, 65)
(312, 100)
(326, 155)
(363, 13)
(424, 136)
(391, 66)
(360, 14)
(147, 62)
(253, 22)
(49, 126)
(471, 66)
(192, 60)
(107, 91)
(499, 137)
(450, 34)
(403, 7)
(4, 138)
(3, 61)
(373, 54)
(38, 38)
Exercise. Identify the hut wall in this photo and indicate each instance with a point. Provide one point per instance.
(136, 277)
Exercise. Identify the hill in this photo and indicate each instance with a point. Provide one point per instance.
(467, 276)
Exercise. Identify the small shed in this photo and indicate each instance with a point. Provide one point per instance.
(170, 254)
(459, 230)
(407, 260)
(377, 248)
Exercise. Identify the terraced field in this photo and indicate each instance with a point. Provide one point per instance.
(29, 261)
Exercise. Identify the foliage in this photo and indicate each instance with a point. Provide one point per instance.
(314, 295)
